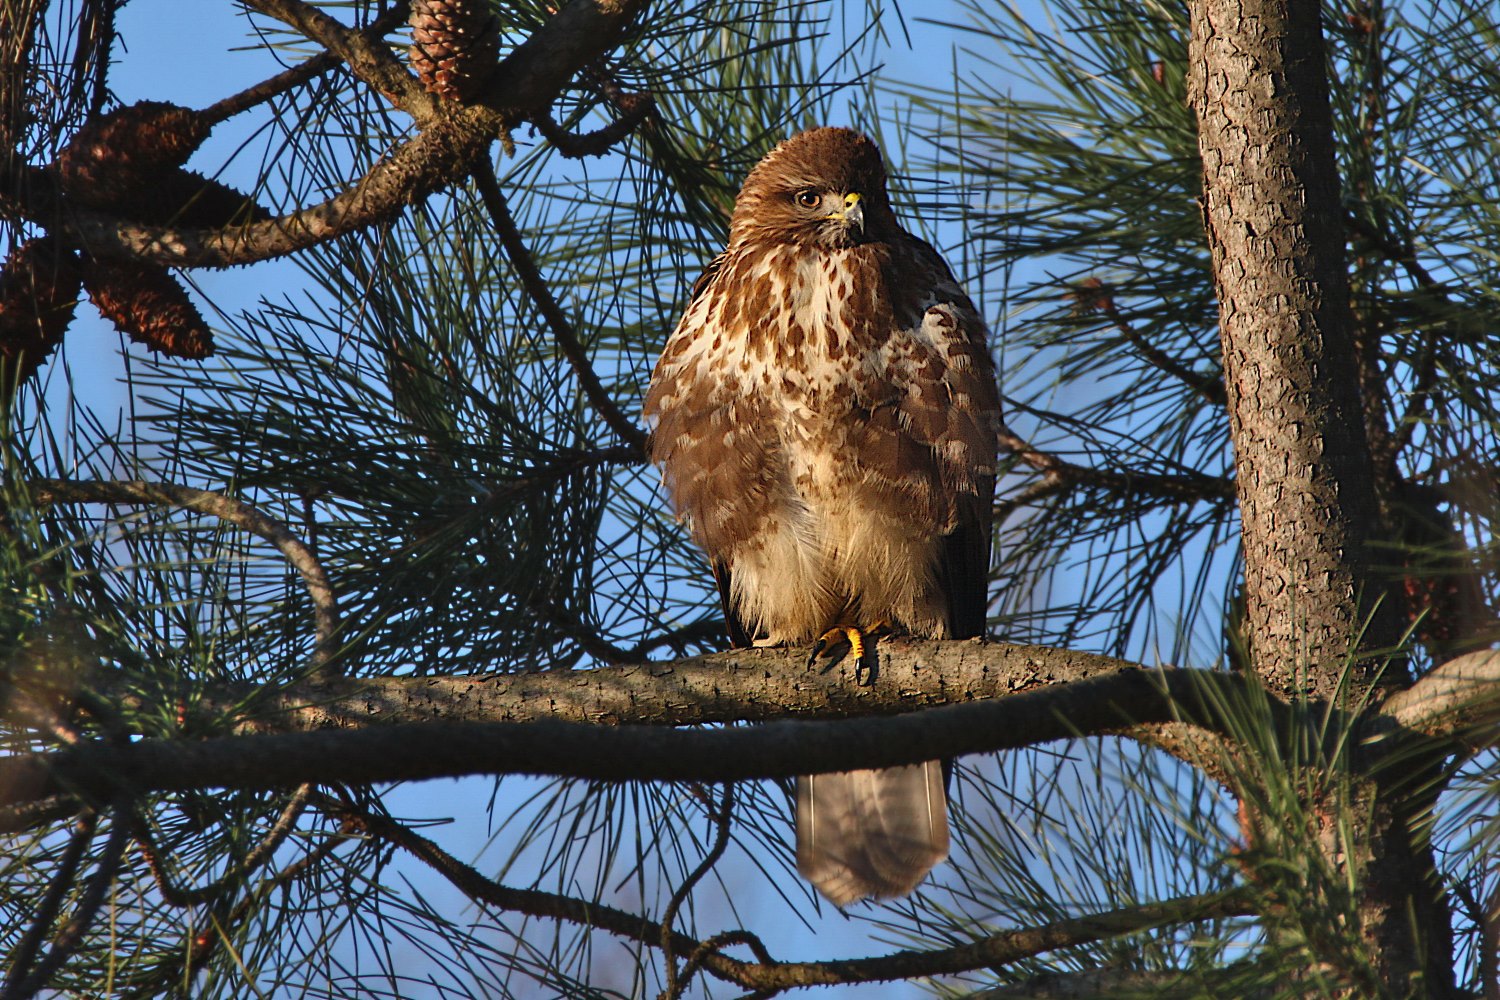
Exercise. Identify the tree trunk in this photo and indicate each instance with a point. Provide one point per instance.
(1273, 218)
(1272, 214)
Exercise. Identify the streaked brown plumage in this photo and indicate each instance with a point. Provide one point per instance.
(825, 416)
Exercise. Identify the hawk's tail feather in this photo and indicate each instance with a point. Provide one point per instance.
(871, 833)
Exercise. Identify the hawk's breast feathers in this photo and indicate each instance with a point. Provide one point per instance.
(825, 416)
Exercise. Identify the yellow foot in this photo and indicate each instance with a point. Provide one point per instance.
(842, 640)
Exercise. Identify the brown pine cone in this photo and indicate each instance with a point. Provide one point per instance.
(118, 157)
(455, 45)
(38, 291)
(150, 305)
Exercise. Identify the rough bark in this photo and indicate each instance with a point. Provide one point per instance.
(1308, 503)
(1272, 216)
(1107, 703)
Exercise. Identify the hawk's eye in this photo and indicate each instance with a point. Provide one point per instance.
(808, 198)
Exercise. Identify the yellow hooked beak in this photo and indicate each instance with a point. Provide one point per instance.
(853, 212)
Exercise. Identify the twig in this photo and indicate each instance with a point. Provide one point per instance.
(634, 107)
(288, 79)
(236, 512)
(1093, 293)
(72, 933)
(678, 982)
(295, 76)
(258, 856)
(25, 952)
(371, 61)
(541, 296)
(197, 951)
(28, 815)
(766, 976)
(1193, 486)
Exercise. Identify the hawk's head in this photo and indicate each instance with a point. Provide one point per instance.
(824, 187)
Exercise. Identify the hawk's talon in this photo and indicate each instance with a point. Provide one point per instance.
(847, 640)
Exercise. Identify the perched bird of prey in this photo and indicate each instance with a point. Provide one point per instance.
(825, 416)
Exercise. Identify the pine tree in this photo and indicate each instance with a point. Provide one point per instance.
(1233, 735)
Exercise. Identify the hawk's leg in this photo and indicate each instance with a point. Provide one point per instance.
(843, 640)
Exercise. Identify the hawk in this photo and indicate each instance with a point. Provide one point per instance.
(825, 417)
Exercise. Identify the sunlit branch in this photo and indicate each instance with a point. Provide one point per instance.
(1460, 699)
(546, 303)
(232, 511)
(369, 59)
(310, 69)
(272, 86)
(757, 685)
(779, 749)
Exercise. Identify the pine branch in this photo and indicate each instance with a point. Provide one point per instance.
(24, 953)
(781, 749)
(1458, 700)
(635, 109)
(362, 51)
(1057, 470)
(70, 936)
(755, 685)
(236, 512)
(263, 851)
(767, 974)
(1094, 294)
(525, 83)
(546, 303)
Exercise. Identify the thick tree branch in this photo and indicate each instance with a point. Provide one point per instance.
(624, 753)
(1460, 699)
(741, 685)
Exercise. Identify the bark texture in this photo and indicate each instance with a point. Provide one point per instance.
(1273, 220)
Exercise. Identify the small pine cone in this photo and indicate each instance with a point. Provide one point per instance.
(119, 157)
(455, 45)
(38, 290)
(190, 200)
(150, 305)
